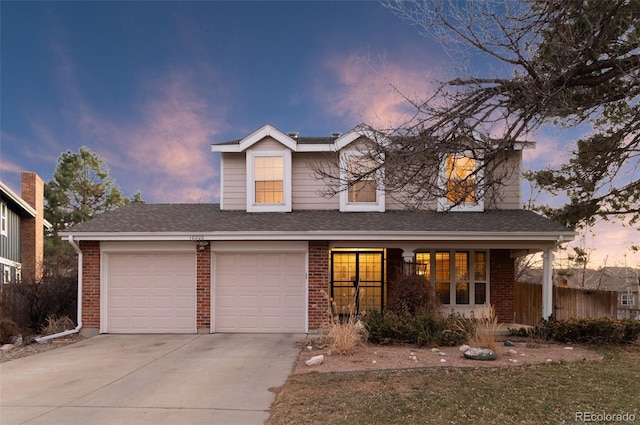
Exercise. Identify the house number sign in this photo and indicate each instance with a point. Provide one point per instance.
(196, 237)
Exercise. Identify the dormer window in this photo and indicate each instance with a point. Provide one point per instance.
(460, 175)
(362, 192)
(269, 181)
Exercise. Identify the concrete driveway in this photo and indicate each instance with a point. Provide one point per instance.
(149, 379)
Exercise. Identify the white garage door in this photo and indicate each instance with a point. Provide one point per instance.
(260, 292)
(151, 293)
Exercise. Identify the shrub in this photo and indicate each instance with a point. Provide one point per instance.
(422, 329)
(8, 328)
(56, 325)
(588, 331)
(30, 303)
(412, 294)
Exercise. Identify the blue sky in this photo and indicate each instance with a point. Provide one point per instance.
(150, 85)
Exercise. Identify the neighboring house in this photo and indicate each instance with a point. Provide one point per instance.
(22, 227)
(267, 257)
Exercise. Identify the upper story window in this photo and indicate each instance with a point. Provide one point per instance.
(3, 219)
(460, 175)
(269, 181)
(362, 193)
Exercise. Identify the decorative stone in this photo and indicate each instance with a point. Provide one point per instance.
(435, 350)
(509, 344)
(7, 347)
(443, 361)
(480, 354)
(512, 351)
(315, 360)
(464, 348)
(568, 348)
(442, 353)
(16, 340)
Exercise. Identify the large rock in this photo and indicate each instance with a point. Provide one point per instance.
(480, 354)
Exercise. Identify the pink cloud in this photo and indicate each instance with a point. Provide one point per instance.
(380, 96)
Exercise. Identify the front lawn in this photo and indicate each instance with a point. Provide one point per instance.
(540, 394)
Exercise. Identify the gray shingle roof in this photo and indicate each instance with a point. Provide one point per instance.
(203, 218)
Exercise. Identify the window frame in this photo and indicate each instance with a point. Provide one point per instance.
(350, 206)
(444, 204)
(252, 205)
(4, 220)
(471, 279)
(627, 300)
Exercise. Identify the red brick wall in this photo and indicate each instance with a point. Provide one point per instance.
(318, 283)
(32, 228)
(203, 288)
(90, 284)
(503, 292)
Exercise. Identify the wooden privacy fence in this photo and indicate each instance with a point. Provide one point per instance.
(567, 303)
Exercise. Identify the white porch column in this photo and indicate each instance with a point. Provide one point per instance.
(547, 284)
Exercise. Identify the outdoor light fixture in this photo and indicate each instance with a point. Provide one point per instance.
(202, 245)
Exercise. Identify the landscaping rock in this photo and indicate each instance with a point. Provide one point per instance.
(464, 348)
(480, 354)
(509, 344)
(315, 360)
(16, 340)
(7, 347)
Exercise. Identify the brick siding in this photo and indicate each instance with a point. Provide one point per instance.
(90, 284)
(203, 288)
(318, 283)
(503, 289)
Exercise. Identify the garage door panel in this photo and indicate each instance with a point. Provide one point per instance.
(151, 292)
(257, 292)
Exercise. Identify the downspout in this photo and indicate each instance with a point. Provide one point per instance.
(77, 328)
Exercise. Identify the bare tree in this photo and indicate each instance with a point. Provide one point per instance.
(551, 62)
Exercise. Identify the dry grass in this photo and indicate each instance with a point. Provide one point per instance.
(343, 335)
(539, 394)
(486, 329)
(56, 325)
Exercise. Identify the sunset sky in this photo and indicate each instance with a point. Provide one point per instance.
(149, 86)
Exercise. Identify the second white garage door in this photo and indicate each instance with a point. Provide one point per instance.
(151, 293)
(260, 292)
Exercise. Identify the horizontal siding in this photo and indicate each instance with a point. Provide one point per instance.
(306, 187)
(234, 189)
(507, 195)
(268, 144)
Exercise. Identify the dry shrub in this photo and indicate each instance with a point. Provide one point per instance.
(56, 325)
(486, 328)
(8, 328)
(343, 334)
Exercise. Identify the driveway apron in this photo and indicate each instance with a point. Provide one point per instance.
(149, 379)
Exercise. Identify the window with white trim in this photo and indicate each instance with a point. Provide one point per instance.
(459, 277)
(460, 175)
(269, 181)
(626, 300)
(362, 192)
(3, 219)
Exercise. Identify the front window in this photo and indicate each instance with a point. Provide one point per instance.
(460, 277)
(460, 176)
(269, 181)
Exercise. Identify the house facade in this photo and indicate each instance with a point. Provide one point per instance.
(277, 247)
(22, 227)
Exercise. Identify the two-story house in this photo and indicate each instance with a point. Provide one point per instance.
(266, 257)
(22, 227)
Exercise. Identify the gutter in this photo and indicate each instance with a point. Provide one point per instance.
(77, 328)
